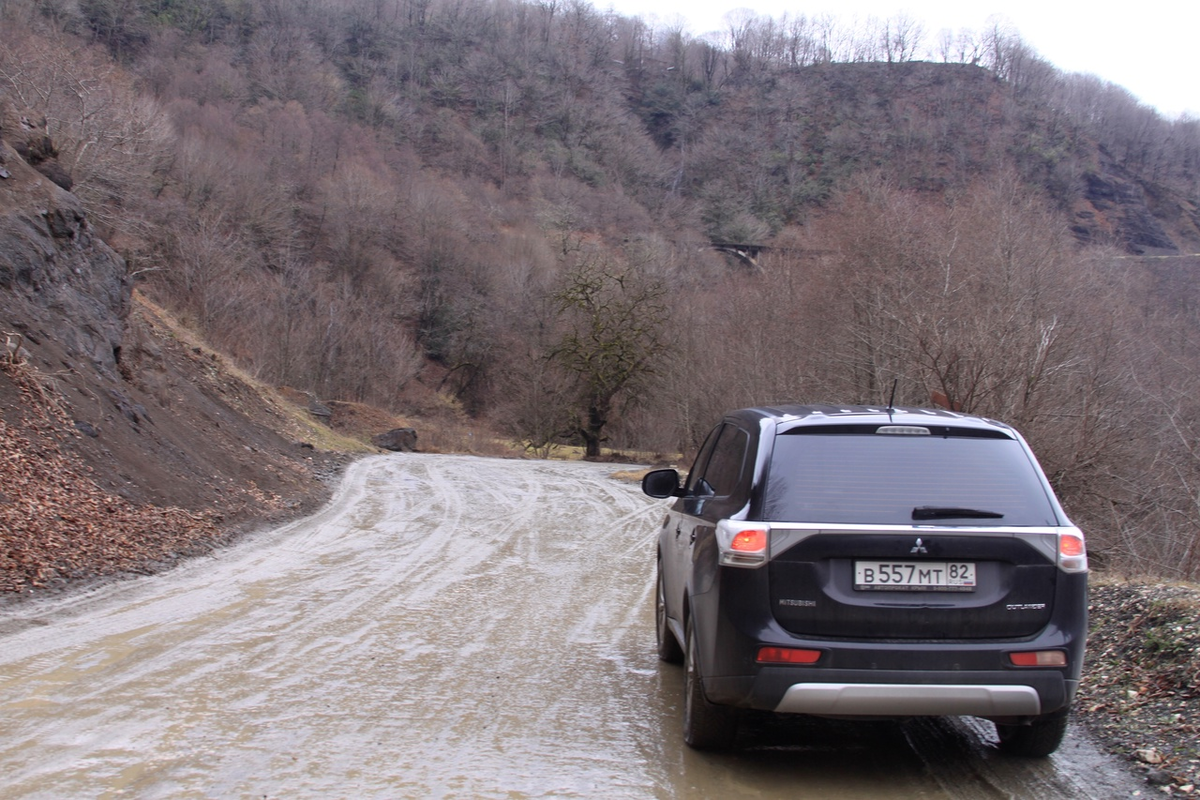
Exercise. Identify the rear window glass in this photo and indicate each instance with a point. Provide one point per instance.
(881, 478)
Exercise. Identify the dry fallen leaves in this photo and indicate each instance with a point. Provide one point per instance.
(55, 521)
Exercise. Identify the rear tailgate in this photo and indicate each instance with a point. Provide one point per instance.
(938, 584)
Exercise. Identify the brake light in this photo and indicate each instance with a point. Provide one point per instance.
(743, 544)
(751, 541)
(1072, 552)
(787, 655)
(1039, 658)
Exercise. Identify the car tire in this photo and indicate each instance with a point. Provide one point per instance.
(668, 646)
(1038, 739)
(706, 725)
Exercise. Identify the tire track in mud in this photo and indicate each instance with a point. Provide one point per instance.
(969, 767)
(447, 626)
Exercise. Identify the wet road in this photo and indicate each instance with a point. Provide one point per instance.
(448, 626)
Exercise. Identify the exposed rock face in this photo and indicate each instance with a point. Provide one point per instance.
(52, 267)
(145, 416)
(401, 440)
(1119, 209)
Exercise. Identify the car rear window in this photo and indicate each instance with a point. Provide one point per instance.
(870, 478)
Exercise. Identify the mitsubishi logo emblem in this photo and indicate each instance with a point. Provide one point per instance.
(919, 547)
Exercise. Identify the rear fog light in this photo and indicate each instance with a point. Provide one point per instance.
(1039, 658)
(787, 655)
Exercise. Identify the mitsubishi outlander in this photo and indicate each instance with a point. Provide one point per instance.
(859, 562)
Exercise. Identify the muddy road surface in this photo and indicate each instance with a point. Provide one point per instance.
(448, 627)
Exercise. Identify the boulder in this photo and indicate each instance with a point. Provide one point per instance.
(401, 440)
(318, 409)
(29, 135)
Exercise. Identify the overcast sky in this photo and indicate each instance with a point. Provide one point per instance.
(1148, 47)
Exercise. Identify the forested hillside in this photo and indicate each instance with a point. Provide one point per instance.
(579, 228)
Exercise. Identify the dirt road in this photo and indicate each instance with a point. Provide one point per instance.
(448, 626)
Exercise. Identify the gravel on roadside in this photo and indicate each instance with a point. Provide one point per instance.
(1140, 693)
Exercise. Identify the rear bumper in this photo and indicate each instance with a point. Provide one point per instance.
(899, 699)
(879, 693)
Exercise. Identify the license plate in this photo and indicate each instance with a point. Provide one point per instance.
(915, 576)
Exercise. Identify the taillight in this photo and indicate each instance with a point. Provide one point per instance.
(1039, 658)
(1072, 553)
(751, 541)
(787, 655)
(743, 544)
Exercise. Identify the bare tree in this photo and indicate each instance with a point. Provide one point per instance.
(209, 259)
(986, 306)
(360, 210)
(536, 405)
(615, 322)
(902, 36)
(113, 141)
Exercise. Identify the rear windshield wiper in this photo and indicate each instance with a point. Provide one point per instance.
(943, 512)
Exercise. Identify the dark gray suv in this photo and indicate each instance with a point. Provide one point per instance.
(870, 562)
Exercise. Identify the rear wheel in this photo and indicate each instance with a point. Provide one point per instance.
(706, 726)
(668, 646)
(1038, 739)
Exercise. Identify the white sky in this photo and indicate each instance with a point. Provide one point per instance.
(1148, 47)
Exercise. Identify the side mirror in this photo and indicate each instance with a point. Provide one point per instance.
(662, 483)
